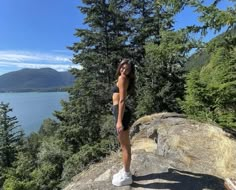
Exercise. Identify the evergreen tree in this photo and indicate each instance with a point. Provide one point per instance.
(193, 104)
(149, 17)
(32, 145)
(161, 81)
(11, 137)
(160, 73)
(50, 160)
(18, 177)
(48, 128)
(100, 48)
(213, 17)
(117, 29)
(211, 91)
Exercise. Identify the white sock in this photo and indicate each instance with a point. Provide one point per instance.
(127, 173)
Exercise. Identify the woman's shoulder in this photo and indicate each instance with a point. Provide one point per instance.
(123, 78)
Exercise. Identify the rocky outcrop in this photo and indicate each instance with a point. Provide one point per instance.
(169, 151)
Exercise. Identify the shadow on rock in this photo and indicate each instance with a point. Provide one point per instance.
(231, 131)
(179, 180)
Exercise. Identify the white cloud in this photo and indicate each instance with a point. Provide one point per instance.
(25, 59)
(60, 50)
(58, 67)
(32, 56)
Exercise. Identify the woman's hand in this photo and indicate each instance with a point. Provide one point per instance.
(119, 127)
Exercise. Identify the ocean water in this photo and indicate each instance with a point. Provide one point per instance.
(31, 108)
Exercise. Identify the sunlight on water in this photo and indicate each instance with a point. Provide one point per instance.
(32, 108)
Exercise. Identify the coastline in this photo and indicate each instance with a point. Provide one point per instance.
(63, 89)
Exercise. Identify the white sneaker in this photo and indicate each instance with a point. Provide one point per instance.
(120, 172)
(122, 179)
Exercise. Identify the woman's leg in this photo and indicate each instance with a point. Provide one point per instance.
(126, 148)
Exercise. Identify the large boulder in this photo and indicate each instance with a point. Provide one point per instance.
(169, 151)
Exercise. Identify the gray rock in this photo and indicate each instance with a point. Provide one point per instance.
(168, 152)
(105, 176)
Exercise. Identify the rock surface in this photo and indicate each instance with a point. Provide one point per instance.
(168, 152)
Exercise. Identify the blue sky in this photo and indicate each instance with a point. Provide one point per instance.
(35, 33)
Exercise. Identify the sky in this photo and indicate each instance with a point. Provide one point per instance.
(36, 33)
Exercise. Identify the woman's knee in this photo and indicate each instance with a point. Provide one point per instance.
(124, 137)
(125, 144)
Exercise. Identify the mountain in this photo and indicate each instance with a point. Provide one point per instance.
(45, 79)
(203, 56)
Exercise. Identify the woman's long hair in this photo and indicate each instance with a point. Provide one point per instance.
(131, 74)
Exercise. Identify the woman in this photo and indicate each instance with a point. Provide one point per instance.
(122, 115)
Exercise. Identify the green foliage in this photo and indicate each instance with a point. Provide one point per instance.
(117, 29)
(161, 80)
(194, 89)
(23, 166)
(45, 176)
(203, 55)
(50, 151)
(148, 18)
(11, 143)
(50, 160)
(108, 129)
(99, 49)
(197, 60)
(2, 176)
(14, 184)
(19, 175)
(212, 17)
(42, 172)
(211, 91)
(87, 155)
(48, 128)
(11, 137)
(32, 144)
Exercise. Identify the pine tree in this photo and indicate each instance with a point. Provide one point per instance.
(160, 74)
(161, 81)
(193, 104)
(213, 17)
(100, 48)
(11, 137)
(210, 92)
(149, 17)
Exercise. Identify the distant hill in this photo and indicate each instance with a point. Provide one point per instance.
(202, 57)
(45, 79)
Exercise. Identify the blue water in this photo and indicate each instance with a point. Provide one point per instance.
(31, 108)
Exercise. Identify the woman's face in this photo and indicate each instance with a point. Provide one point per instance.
(125, 69)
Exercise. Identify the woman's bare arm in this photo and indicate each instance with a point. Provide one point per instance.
(123, 85)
